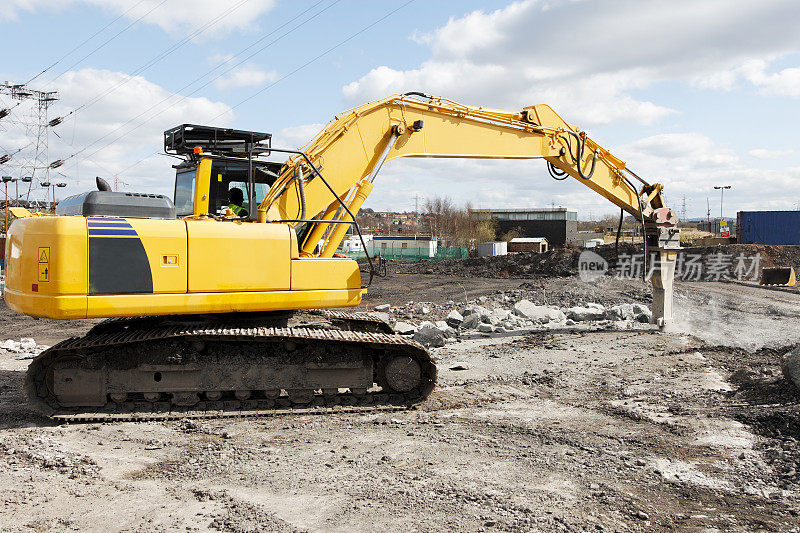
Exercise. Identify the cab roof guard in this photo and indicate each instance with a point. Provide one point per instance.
(183, 139)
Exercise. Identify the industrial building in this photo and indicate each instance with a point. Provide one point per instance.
(556, 224)
(768, 227)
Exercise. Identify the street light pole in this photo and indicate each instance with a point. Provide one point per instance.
(721, 195)
(61, 184)
(6, 179)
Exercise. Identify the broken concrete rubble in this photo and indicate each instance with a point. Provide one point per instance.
(471, 321)
(506, 312)
(485, 328)
(791, 367)
(404, 328)
(620, 312)
(537, 313)
(26, 347)
(430, 336)
(454, 319)
(422, 309)
(446, 329)
(643, 313)
(584, 314)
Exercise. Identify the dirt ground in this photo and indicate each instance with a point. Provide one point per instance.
(575, 429)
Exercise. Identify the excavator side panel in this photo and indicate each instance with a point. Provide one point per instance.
(46, 268)
(229, 256)
(84, 267)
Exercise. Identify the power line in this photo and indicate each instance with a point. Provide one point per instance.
(95, 34)
(200, 78)
(320, 56)
(157, 58)
(123, 30)
(298, 69)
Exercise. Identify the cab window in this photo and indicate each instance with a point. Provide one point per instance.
(184, 192)
(227, 175)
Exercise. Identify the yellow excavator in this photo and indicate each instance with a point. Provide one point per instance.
(221, 309)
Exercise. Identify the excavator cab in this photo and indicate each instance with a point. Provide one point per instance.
(218, 160)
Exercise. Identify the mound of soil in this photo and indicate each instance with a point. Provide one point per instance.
(563, 262)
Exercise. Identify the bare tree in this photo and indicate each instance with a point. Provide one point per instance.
(454, 225)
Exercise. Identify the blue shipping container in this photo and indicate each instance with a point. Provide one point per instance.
(768, 227)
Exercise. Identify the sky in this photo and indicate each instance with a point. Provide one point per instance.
(689, 93)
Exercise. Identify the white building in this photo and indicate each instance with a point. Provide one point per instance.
(487, 249)
(402, 244)
(353, 244)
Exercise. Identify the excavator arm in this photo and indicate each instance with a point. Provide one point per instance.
(337, 168)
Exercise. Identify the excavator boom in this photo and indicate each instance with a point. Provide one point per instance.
(353, 146)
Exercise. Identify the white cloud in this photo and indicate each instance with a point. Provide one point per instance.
(174, 16)
(588, 60)
(114, 134)
(785, 82)
(218, 59)
(245, 75)
(296, 137)
(763, 153)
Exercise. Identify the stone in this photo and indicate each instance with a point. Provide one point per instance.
(485, 328)
(791, 367)
(27, 343)
(383, 307)
(430, 336)
(620, 312)
(442, 326)
(422, 309)
(383, 316)
(474, 309)
(471, 321)
(426, 324)
(585, 314)
(498, 315)
(454, 319)
(459, 365)
(11, 345)
(537, 313)
(569, 322)
(404, 328)
(642, 313)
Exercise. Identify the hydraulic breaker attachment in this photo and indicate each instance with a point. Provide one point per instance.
(664, 238)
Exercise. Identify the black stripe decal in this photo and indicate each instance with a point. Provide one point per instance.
(118, 266)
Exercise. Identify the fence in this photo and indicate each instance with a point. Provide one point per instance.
(411, 254)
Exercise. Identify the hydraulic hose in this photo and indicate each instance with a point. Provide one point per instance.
(577, 158)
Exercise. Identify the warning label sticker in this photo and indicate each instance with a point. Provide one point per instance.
(44, 263)
(44, 272)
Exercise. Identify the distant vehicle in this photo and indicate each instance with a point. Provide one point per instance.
(593, 243)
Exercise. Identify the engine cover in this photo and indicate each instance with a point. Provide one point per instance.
(117, 204)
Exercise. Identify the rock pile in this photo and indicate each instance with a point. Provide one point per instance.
(25, 348)
(481, 317)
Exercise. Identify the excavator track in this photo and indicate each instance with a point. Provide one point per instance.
(163, 368)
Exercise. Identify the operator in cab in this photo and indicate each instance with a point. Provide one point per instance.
(235, 201)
